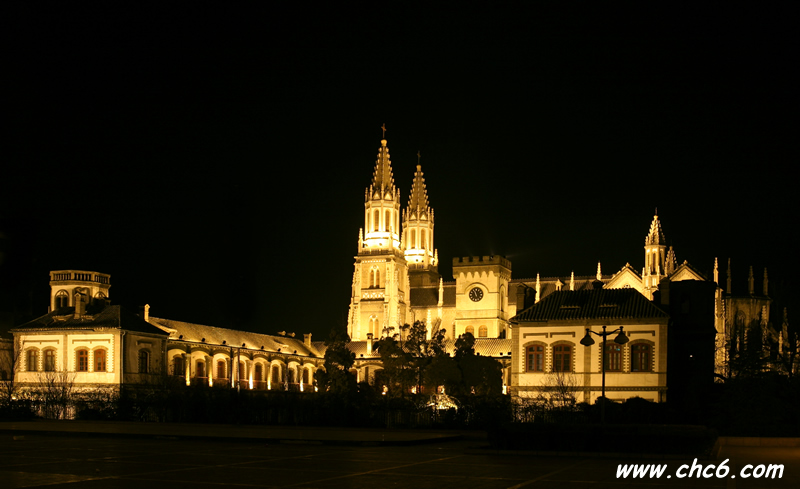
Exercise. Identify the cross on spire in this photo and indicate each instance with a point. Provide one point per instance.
(383, 127)
(418, 157)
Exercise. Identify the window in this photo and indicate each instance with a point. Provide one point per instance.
(62, 299)
(562, 358)
(178, 366)
(99, 360)
(144, 362)
(82, 360)
(258, 373)
(640, 358)
(470, 330)
(242, 371)
(276, 374)
(306, 375)
(613, 357)
(535, 358)
(221, 369)
(33, 360)
(49, 360)
(482, 332)
(200, 369)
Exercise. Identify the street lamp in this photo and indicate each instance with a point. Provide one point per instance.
(587, 340)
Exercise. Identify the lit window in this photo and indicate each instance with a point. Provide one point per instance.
(99, 360)
(613, 357)
(562, 358)
(62, 299)
(144, 362)
(640, 358)
(82, 361)
(221, 369)
(535, 358)
(483, 332)
(49, 360)
(470, 330)
(33, 360)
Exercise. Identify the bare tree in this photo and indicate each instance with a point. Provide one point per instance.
(10, 365)
(54, 393)
(559, 390)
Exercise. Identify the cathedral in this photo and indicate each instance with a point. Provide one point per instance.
(531, 326)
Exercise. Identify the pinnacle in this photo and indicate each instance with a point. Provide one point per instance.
(382, 178)
(418, 199)
(656, 235)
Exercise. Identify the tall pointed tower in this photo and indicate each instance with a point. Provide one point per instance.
(380, 282)
(655, 258)
(418, 249)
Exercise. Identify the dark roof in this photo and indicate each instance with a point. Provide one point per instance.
(429, 296)
(591, 304)
(97, 317)
(489, 347)
(213, 335)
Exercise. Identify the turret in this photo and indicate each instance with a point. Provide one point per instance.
(381, 207)
(418, 227)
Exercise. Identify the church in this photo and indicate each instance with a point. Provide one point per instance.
(531, 326)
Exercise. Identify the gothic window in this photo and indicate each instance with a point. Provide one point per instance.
(100, 360)
(178, 366)
(470, 330)
(50, 360)
(413, 243)
(376, 217)
(221, 369)
(144, 362)
(562, 358)
(423, 239)
(483, 332)
(388, 220)
(33, 360)
(613, 357)
(62, 299)
(534, 356)
(502, 299)
(82, 360)
(640, 358)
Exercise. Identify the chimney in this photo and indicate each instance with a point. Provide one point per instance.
(369, 343)
(663, 289)
(80, 305)
(307, 339)
(521, 288)
(147, 312)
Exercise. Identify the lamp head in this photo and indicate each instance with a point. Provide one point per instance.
(587, 340)
(621, 339)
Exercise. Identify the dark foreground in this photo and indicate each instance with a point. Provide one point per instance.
(117, 461)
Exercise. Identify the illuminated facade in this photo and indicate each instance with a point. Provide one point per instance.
(99, 345)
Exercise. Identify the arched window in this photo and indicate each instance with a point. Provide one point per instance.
(641, 358)
(259, 373)
(221, 369)
(100, 360)
(178, 366)
(483, 332)
(144, 362)
(276, 374)
(82, 360)
(470, 330)
(376, 217)
(242, 371)
(376, 277)
(413, 243)
(423, 239)
(50, 360)
(534, 358)
(62, 299)
(33, 360)
(200, 369)
(613, 357)
(502, 298)
(306, 376)
(388, 221)
(562, 358)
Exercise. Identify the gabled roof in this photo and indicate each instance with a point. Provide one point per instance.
(591, 304)
(686, 272)
(232, 337)
(98, 316)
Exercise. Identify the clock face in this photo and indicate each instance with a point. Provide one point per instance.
(476, 294)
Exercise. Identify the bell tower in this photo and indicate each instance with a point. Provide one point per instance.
(655, 258)
(418, 249)
(379, 297)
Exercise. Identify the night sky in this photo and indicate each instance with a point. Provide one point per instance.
(214, 160)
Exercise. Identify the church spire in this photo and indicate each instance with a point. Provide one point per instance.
(656, 235)
(382, 178)
(655, 257)
(382, 205)
(418, 226)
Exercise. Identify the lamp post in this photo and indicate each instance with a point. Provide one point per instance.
(587, 340)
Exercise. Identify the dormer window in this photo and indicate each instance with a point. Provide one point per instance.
(62, 299)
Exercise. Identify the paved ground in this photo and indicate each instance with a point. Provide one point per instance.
(38, 459)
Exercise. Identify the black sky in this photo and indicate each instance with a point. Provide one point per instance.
(213, 159)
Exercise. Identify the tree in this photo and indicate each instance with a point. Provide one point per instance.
(558, 390)
(10, 364)
(398, 373)
(479, 375)
(337, 378)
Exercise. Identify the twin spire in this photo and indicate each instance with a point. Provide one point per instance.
(382, 178)
(656, 235)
